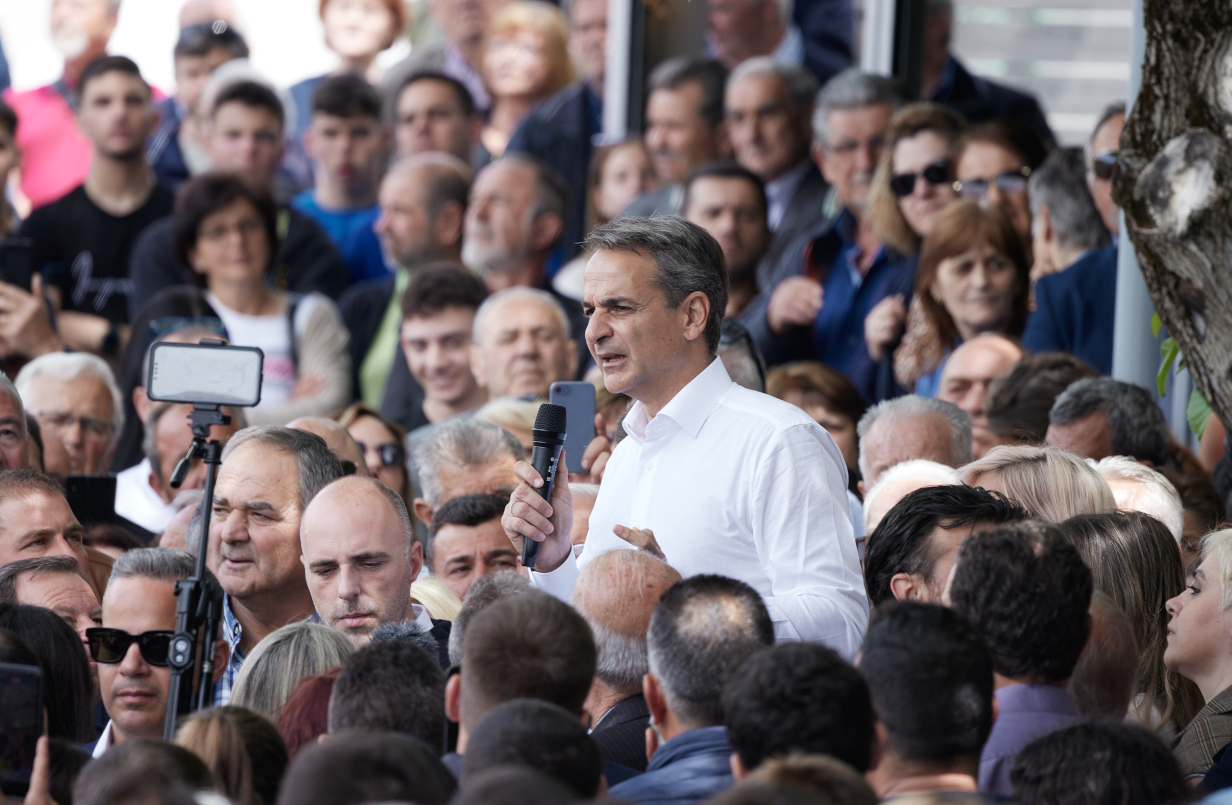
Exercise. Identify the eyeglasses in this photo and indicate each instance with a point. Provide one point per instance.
(244, 226)
(1010, 183)
(935, 173)
(110, 645)
(391, 454)
(63, 420)
(1104, 164)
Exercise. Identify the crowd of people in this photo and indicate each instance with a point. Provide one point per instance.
(863, 517)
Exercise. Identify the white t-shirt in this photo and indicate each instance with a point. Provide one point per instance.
(273, 336)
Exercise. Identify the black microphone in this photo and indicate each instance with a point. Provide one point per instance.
(549, 438)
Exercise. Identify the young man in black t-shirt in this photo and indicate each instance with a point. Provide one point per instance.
(82, 241)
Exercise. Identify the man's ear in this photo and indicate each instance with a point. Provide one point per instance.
(737, 767)
(878, 748)
(447, 227)
(479, 369)
(545, 229)
(222, 656)
(656, 702)
(417, 559)
(141, 402)
(903, 586)
(423, 511)
(453, 698)
(696, 312)
(863, 491)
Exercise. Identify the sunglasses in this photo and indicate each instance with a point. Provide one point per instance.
(1010, 183)
(110, 645)
(936, 173)
(391, 454)
(1103, 165)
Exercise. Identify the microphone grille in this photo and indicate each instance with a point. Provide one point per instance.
(551, 418)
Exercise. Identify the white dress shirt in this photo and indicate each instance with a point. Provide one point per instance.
(741, 484)
(103, 743)
(137, 501)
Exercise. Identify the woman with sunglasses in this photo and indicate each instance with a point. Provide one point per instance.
(383, 444)
(972, 278)
(994, 163)
(227, 233)
(913, 183)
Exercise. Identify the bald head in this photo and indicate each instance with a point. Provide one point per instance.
(336, 436)
(968, 374)
(423, 201)
(617, 593)
(898, 482)
(359, 556)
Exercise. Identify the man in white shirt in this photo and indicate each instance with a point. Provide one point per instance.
(728, 480)
(143, 491)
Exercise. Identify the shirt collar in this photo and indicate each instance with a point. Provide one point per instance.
(103, 743)
(232, 629)
(691, 406)
(779, 191)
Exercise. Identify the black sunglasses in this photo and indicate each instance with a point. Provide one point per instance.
(391, 454)
(935, 173)
(1010, 183)
(1103, 165)
(110, 645)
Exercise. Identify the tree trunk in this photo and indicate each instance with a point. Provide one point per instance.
(1174, 182)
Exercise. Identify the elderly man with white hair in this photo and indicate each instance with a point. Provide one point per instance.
(1138, 488)
(901, 480)
(75, 399)
(911, 427)
(522, 344)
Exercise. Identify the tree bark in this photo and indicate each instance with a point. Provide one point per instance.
(1174, 182)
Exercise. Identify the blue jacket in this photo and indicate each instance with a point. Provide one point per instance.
(689, 768)
(1075, 310)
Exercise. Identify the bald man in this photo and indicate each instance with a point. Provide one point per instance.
(898, 482)
(966, 378)
(616, 593)
(360, 557)
(337, 437)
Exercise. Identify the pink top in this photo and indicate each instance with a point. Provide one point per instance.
(55, 155)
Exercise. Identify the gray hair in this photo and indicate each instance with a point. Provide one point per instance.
(162, 564)
(1139, 428)
(912, 406)
(284, 658)
(36, 566)
(460, 443)
(520, 292)
(149, 439)
(1060, 183)
(551, 193)
(485, 592)
(66, 366)
(687, 259)
(621, 605)
(7, 387)
(317, 464)
(851, 89)
(801, 85)
(1158, 497)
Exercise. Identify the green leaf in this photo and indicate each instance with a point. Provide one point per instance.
(1156, 324)
(1197, 413)
(1168, 350)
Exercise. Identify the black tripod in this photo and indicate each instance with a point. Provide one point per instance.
(198, 609)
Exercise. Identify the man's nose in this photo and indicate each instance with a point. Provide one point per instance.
(348, 584)
(133, 663)
(233, 529)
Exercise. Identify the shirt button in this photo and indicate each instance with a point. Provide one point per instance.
(649, 465)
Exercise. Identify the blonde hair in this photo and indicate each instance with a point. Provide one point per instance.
(509, 412)
(1220, 542)
(1051, 484)
(541, 18)
(435, 596)
(884, 214)
(282, 659)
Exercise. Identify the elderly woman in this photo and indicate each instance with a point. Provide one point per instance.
(1051, 484)
(1200, 649)
(227, 233)
(972, 278)
(1133, 559)
(524, 60)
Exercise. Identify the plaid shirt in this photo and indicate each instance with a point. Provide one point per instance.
(232, 632)
(1202, 738)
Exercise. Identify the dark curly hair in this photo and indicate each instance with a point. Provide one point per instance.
(1027, 590)
(1109, 763)
(799, 697)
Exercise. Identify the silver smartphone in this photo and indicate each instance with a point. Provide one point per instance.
(578, 399)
